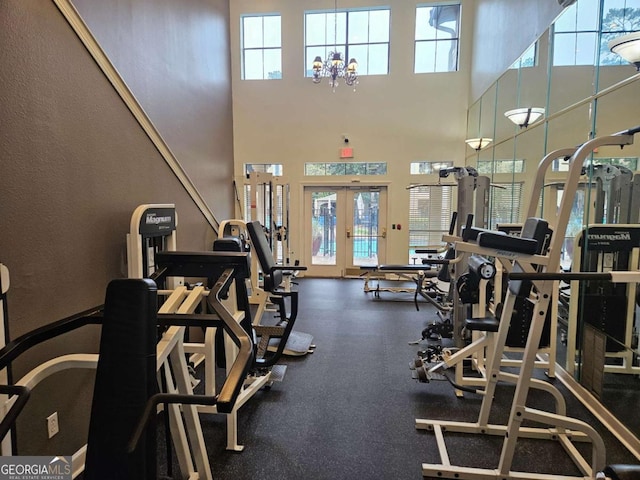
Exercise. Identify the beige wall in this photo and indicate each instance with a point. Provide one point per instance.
(398, 118)
(75, 164)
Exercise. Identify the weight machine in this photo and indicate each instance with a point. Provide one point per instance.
(267, 197)
(6, 446)
(609, 308)
(270, 285)
(469, 185)
(121, 443)
(153, 237)
(617, 194)
(519, 255)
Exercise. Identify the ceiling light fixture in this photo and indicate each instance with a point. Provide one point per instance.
(628, 47)
(478, 143)
(334, 67)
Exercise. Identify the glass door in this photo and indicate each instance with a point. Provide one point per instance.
(346, 229)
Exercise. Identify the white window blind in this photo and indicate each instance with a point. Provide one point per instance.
(506, 199)
(429, 215)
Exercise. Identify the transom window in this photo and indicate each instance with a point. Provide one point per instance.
(437, 38)
(629, 162)
(487, 167)
(579, 39)
(274, 169)
(359, 34)
(261, 47)
(428, 168)
(340, 168)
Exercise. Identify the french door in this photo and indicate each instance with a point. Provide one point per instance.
(345, 228)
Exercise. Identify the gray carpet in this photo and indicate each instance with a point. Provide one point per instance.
(348, 410)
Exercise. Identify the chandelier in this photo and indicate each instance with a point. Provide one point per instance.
(334, 67)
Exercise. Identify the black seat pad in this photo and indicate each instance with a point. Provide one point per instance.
(486, 324)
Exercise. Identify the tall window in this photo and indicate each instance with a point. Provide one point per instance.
(261, 47)
(359, 34)
(437, 38)
(429, 216)
(582, 32)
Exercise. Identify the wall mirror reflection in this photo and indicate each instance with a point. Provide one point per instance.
(581, 89)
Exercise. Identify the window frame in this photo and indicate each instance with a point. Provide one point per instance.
(343, 47)
(437, 40)
(601, 37)
(262, 49)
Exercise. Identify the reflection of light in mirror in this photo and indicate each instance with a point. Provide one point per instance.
(523, 117)
(628, 47)
(478, 143)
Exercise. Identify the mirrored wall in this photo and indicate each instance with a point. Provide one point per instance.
(583, 90)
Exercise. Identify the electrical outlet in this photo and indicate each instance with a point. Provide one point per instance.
(52, 424)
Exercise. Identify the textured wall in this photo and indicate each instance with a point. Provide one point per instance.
(74, 164)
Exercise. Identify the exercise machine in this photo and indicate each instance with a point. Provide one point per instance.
(518, 255)
(6, 446)
(614, 471)
(608, 308)
(153, 236)
(121, 442)
(271, 285)
(267, 197)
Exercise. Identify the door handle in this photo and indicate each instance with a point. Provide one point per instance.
(383, 234)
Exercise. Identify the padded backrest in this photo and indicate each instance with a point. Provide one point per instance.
(444, 274)
(125, 379)
(538, 230)
(228, 244)
(272, 278)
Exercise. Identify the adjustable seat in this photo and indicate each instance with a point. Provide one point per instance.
(273, 277)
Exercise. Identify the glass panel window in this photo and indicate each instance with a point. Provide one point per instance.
(323, 228)
(366, 209)
(619, 17)
(580, 40)
(272, 168)
(629, 162)
(359, 34)
(377, 168)
(261, 47)
(351, 168)
(488, 167)
(437, 38)
(428, 168)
